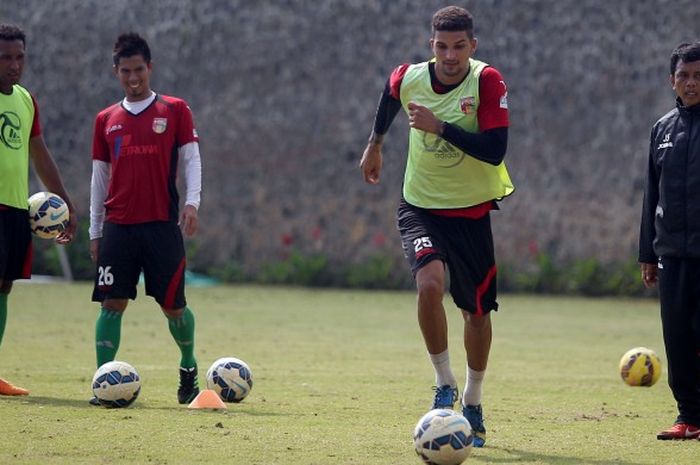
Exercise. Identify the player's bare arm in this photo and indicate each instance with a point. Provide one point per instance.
(420, 117)
(94, 246)
(371, 161)
(47, 171)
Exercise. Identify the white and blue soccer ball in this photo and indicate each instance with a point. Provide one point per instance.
(48, 215)
(443, 437)
(116, 384)
(231, 378)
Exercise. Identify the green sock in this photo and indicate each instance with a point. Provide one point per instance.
(3, 314)
(182, 329)
(107, 335)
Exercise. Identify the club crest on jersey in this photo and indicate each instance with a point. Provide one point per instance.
(160, 125)
(466, 104)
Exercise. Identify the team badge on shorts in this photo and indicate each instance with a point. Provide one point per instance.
(160, 125)
(466, 104)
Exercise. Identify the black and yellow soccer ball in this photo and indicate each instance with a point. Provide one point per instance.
(640, 367)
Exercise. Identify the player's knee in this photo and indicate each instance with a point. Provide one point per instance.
(115, 305)
(478, 321)
(430, 288)
(173, 313)
(5, 287)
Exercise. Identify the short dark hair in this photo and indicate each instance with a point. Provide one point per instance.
(685, 52)
(11, 32)
(453, 18)
(128, 45)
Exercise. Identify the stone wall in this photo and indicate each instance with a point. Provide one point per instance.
(284, 94)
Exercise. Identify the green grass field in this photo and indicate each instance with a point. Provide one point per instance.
(341, 377)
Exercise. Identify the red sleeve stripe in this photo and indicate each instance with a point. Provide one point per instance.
(493, 111)
(395, 80)
(36, 126)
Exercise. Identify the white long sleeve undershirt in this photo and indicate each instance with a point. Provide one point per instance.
(101, 171)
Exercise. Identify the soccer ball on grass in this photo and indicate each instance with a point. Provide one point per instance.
(116, 384)
(48, 215)
(443, 437)
(231, 378)
(640, 367)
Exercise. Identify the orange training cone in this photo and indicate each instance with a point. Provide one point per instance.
(207, 398)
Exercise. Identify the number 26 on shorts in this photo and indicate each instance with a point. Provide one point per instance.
(104, 276)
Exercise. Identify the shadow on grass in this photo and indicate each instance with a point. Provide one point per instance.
(522, 456)
(73, 403)
(52, 401)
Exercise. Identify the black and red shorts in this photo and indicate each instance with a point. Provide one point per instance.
(15, 244)
(125, 250)
(465, 245)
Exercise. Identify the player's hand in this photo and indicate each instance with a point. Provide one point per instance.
(68, 234)
(650, 273)
(371, 163)
(188, 220)
(420, 117)
(94, 246)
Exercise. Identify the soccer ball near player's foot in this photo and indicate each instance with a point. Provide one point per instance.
(116, 384)
(48, 215)
(443, 437)
(640, 367)
(231, 378)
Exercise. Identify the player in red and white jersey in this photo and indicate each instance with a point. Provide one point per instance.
(135, 224)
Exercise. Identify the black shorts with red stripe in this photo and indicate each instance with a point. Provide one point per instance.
(156, 248)
(465, 245)
(15, 244)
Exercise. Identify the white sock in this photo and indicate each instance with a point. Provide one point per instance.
(443, 373)
(472, 389)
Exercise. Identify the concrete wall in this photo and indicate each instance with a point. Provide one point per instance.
(284, 94)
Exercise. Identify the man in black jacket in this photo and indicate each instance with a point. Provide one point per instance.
(669, 245)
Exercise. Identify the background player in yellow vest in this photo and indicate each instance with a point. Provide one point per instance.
(458, 117)
(20, 139)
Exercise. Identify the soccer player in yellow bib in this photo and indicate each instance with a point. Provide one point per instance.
(458, 116)
(20, 141)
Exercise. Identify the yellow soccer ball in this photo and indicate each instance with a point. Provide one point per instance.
(640, 367)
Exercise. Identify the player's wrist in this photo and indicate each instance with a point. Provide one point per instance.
(441, 127)
(375, 139)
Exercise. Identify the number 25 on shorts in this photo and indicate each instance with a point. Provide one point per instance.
(422, 243)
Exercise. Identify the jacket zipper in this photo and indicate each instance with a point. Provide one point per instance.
(685, 178)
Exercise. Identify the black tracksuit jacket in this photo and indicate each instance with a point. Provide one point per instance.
(671, 210)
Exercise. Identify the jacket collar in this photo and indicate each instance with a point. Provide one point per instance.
(694, 110)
